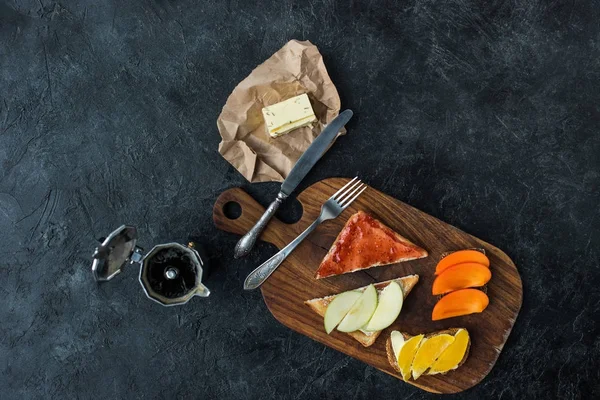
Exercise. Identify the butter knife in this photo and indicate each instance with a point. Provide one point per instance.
(304, 164)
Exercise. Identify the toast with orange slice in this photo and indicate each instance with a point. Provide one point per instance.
(450, 357)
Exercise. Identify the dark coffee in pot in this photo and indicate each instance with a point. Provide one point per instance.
(171, 273)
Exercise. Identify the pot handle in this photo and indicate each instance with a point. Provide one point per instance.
(202, 291)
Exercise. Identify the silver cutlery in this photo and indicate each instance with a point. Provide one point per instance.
(331, 209)
(308, 159)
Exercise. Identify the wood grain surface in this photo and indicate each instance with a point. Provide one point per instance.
(294, 282)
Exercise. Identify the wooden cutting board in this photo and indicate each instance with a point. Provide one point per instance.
(293, 283)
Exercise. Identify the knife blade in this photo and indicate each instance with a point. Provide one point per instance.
(314, 152)
(304, 164)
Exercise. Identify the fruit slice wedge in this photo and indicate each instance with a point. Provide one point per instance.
(453, 354)
(429, 350)
(460, 257)
(398, 341)
(338, 308)
(460, 302)
(461, 276)
(406, 354)
(361, 311)
(388, 308)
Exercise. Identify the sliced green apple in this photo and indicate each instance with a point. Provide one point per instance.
(388, 308)
(361, 311)
(338, 308)
(397, 342)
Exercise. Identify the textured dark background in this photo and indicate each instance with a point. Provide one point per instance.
(484, 114)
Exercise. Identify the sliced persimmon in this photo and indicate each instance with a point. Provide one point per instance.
(460, 257)
(461, 302)
(461, 276)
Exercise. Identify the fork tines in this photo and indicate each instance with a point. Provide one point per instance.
(349, 192)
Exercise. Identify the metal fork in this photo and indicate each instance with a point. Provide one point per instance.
(331, 209)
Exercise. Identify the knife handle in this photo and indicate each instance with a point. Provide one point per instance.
(247, 242)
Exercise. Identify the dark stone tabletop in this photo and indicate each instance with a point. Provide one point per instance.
(483, 114)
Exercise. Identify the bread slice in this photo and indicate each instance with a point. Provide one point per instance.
(451, 331)
(319, 305)
(364, 242)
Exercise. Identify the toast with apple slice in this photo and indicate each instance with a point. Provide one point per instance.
(319, 305)
(364, 242)
(392, 358)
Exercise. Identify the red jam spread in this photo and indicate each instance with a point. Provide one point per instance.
(365, 242)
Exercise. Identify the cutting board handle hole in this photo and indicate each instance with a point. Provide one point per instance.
(232, 210)
(290, 211)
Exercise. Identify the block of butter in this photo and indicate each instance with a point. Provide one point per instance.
(288, 115)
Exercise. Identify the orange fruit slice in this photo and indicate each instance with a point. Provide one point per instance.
(461, 276)
(407, 354)
(428, 352)
(460, 302)
(460, 257)
(453, 354)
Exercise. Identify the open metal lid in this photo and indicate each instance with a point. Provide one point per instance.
(117, 250)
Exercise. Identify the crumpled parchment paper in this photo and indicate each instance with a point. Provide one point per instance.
(295, 69)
